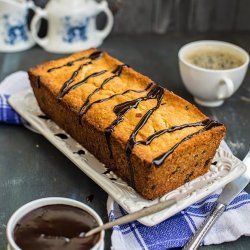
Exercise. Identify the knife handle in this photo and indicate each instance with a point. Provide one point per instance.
(199, 235)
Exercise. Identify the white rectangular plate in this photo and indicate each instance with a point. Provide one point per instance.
(227, 166)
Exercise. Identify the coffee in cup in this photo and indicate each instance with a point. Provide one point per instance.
(212, 70)
(215, 58)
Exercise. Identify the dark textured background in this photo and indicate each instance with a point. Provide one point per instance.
(162, 16)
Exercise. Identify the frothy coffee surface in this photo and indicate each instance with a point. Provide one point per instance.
(215, 58)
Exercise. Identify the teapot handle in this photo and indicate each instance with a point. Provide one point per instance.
(103, 7)
(31, 5)
(35, 25)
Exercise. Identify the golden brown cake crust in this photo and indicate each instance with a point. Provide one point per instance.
(109, 79)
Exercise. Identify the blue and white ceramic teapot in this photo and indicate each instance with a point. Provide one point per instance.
(71, 25)
(14, 32)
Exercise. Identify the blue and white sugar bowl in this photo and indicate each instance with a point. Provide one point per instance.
(14, 32)
(71, 25)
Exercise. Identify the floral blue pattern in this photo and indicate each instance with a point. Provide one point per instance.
(74, 30)
(16, 31)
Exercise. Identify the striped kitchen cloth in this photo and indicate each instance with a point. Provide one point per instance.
(177, 230)
(12, 84)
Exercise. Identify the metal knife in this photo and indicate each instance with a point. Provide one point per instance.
(229, 192)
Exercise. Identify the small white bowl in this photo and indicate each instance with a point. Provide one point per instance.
(22, 211)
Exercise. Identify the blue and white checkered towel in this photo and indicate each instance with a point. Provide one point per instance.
(177, 230)
(12, 84)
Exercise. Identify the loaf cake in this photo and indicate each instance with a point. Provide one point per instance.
(147, 135)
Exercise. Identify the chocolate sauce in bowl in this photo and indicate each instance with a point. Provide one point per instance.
(55, 227)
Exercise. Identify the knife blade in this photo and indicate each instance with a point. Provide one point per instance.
(233, 188)
(229, 192)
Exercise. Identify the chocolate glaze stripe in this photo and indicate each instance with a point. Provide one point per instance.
(37, 82)
(72, 78)
(117, 72)
(120, 110)
(68, 64)
(170, 130)
(112, 96)
(119, 69)
(78, 84)
(94, 56)
(158, 161)
(156, 93)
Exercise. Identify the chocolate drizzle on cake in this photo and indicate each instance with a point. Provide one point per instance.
(72, 78)
(155, 93)
(120, 110)
(117, 72)
(119, 69)
(161, 158)
(94, 56)
(37, 82)
(170, 130)
(66, 90)
(112, 96)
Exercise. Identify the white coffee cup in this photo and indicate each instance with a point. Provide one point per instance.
(14, 32)
(71, 25)
(208, 86)
(24, 210)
